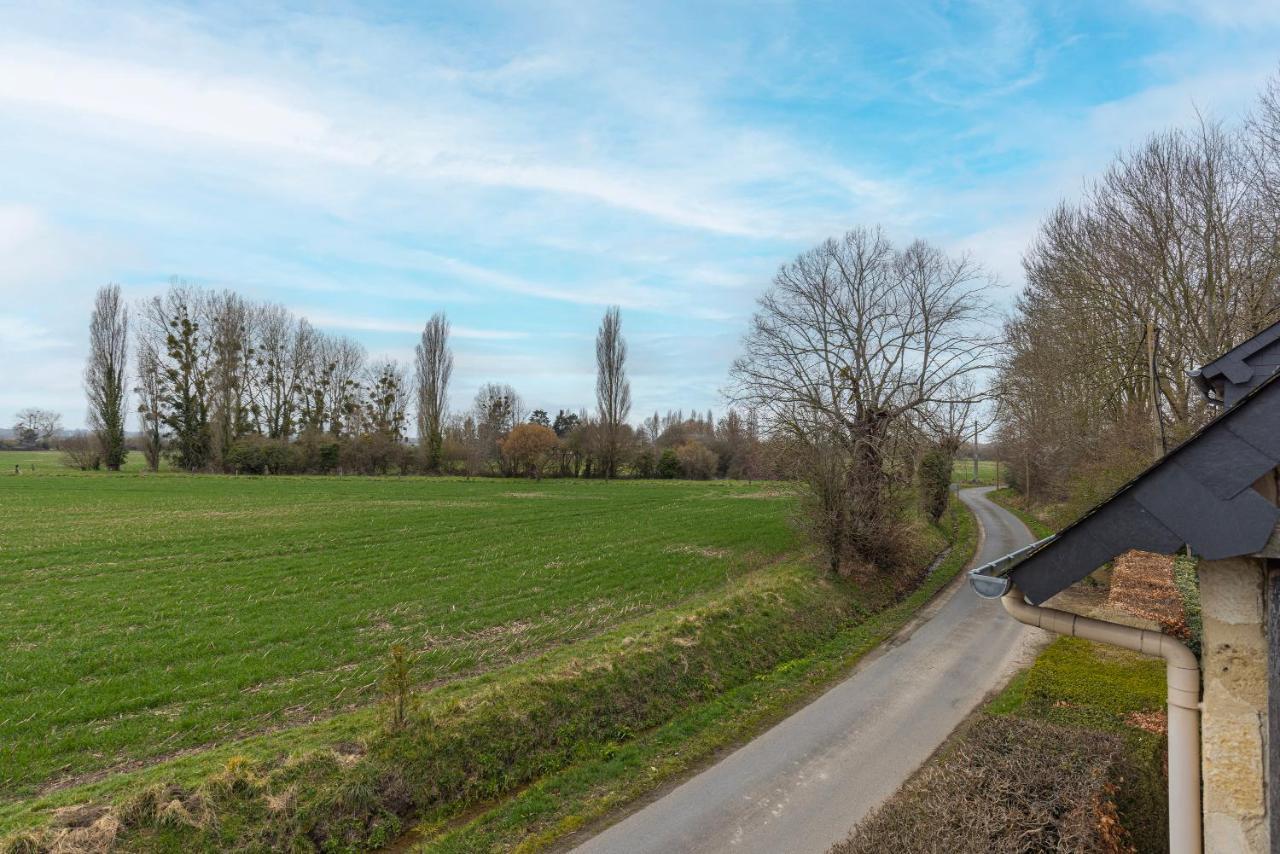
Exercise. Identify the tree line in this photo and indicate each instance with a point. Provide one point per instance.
(1168, 259)
(860, 377)
(219, 383)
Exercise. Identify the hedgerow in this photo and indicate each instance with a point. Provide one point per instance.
(1006, 786)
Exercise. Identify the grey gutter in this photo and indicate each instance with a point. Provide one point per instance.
(991, 581)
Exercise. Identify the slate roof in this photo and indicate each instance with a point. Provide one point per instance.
(1228, 378)
(1198, 495)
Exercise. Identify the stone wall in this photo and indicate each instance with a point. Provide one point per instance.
(1233, 724)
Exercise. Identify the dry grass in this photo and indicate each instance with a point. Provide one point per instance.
(1142, 585)
(989, 794)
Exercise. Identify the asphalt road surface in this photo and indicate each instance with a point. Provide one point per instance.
(801, 786)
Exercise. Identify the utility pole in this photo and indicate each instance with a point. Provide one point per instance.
(1153, 377)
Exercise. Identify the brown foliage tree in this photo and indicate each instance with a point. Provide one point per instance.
(528, 447)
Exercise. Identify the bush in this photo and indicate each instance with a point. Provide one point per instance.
(645, 464)
(375, 453)
(1006, 785)
(669, 464)
(317, 452)
(1105, 691)
(81, 451)
(1075, 681)
(697, 461)
(527, 448)
(1188, 584)
(260, 455)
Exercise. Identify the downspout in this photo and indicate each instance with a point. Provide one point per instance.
(1183, 674)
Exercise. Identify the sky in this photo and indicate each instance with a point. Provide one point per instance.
(523, 166)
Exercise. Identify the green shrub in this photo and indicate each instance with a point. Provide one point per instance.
(669, 464)
(261, 455)
(935, 482)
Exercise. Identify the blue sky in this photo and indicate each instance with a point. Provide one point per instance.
(521, 166)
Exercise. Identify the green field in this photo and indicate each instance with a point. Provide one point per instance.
(147, 616)
(962, 472)
(51, 462)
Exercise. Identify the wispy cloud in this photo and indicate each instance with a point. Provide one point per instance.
(523, 167)
(357, 323)
(18, 335)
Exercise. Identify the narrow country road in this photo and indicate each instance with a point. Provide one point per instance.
(801, 786)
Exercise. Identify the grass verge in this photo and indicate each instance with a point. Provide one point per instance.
(1011, 500)
(695, 677)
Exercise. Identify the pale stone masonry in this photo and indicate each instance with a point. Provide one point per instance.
(1234, 723)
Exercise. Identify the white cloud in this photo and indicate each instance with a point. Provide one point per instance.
(328, 320)
(1222, 13)
(235, 111)
(427, 142)
(38, 253)
(19, 334)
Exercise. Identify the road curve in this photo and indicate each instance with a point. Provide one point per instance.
(801, 786)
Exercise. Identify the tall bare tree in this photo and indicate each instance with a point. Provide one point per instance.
(1169, 258)
(284, 347)
(228, 318)
(386, 399)
(104, 375)
(853, 340)
(434, 367)
(150, 392)
(496, 410)
(613, 389)
(343, 362)
(181, 343)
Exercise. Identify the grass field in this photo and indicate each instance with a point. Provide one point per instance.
(146, 616)
(962, 472)
(51, 462)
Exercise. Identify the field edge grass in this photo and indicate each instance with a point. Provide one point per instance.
(736, 646)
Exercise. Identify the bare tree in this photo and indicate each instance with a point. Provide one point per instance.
(496, 410)
(344, 364)
(284, 347)
(104, 375)
(228, 319)
(81, 451)
(852, 341)
(36, 427)
(434, 367)
(1169, 258)
(181, 345)
(387, 399)
(613, 389)
(150, 392)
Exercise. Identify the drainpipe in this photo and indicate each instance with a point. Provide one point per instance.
(1183, 673)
